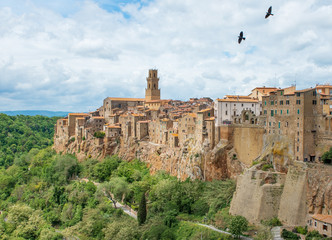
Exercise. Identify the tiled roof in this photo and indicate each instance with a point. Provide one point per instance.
(323, 218)
(238, 100)
(210, 119)
(126, 99)
(304, 90)
(98, 117)
(78, 114)
(113, 127)
(175, 134)
(205, 110)
(146, 121)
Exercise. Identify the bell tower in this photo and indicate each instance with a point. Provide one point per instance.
(152, 92)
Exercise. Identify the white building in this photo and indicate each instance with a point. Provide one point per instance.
(231, 106)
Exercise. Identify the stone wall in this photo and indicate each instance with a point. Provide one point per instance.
(248, 143)
(257, 195)
(306, 189)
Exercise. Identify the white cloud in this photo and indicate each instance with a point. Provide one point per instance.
(69, 55)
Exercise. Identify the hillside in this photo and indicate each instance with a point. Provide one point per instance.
(36, 112)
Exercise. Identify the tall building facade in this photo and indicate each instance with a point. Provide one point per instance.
(152, 92)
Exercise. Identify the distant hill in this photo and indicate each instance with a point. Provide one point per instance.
(36, 112)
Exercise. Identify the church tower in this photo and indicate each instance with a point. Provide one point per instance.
(152, 92)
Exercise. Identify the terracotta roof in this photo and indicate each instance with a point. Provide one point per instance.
(80, 118)
(113, 126)
(153, 101)
(264, 88)
(165, 120)
(126, 99)
(238, 97)
(137, 115)
(324, 86)
(98, 117)
(78, 114)
(192, 114)
(238, 100)
(210, 119)
(304, 90)
(146, 121)
(175, 134)
(323, 218)
(205, 110)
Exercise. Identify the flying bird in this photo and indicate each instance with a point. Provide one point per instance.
(269, 12)
(241, 37)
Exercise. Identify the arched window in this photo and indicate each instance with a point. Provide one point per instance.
(154, 86)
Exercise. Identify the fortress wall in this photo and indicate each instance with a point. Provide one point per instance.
(248, 143)
(257, 195)
(293, 208)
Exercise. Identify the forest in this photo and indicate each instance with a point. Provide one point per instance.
(19, 134)
(44, 195)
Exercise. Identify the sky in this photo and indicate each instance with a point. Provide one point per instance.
(68, 55)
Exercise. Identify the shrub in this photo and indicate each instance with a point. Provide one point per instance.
(273, 222)
(267, 167)
(99, 134)
(72, 139)
(289, 235)
(314, 235)
(83, 138)
(327, 157)
(301, 230)
(238, 225)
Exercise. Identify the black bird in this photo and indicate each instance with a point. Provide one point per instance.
(269, 12)
(241, 37)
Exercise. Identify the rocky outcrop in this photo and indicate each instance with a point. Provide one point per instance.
(305, 189)
(194, 160)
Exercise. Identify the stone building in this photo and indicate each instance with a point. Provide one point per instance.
(295, 115)
(322, 224)
(226, 109)
(259, 92)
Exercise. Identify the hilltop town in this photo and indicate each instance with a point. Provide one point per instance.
(275, 136)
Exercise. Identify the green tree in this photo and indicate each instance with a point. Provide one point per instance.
(141, 214)
(238, 225)
(327, 157)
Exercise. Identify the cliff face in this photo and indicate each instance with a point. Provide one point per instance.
(194, 160)
(305, 189)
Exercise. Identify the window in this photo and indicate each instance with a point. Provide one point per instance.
(298, 94)
(298, 133)
(270, 124)
(287, 102)
(242, 105)
(298, 102)
(275, 112)
(272, 113)
(281, 102)
(286, 124)
(234, 113)
(265, 102)
(276, 102)
(281, 93)
(314, 102)
(298, 111)
(314, 93)
(272, 102)
(287, 111)
(324, 227)
(279, 125)
(280, 112)
(297, 148)
(226, 113)
(234, 105)
(265, 112)
(252, 105)
(226, 104)
(315, 223)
